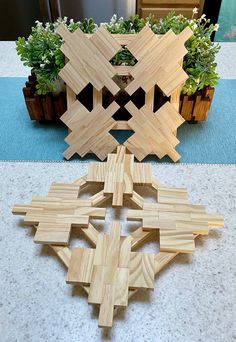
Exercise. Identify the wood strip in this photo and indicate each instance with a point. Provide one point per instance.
(141, 270)
(80, 266)
(106, 311)
(176, 241)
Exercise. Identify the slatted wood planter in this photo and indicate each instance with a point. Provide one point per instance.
(195, 108)
(43, 108)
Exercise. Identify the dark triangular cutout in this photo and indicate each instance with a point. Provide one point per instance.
(159, 99)
(86, 97)
(122, 114)
(121, 135)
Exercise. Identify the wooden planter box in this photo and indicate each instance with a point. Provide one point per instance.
(49, 108)
(195, 108)
(43, 108)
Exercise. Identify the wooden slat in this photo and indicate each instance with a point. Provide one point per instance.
(105, 318)
(105, 43)
(81, 266)
(172, 195)
(141, 270)
(124, 253)
(176, 241)
(52, 233)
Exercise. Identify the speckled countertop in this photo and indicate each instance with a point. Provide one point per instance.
(195, 295)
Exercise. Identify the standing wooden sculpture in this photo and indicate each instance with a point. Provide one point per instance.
(158, 63)
(112, 272)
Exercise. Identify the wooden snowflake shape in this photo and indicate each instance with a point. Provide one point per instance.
(112, 272)
(159, 63)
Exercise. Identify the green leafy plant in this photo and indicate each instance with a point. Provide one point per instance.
(199, 63)
(41, 50)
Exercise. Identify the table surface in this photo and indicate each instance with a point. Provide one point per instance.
(194, 297)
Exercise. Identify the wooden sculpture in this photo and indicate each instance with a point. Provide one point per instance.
(112, 272)
(158, 63)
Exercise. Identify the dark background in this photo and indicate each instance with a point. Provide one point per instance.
(18, 16)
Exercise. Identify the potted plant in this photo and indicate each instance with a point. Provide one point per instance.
(45, 94)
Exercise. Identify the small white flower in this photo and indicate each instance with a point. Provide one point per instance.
(203, 17)
(113, 19)
(42, 65)
(195, 10)
(216, 27)
(95, 27)
(71, 21)
(38, 23)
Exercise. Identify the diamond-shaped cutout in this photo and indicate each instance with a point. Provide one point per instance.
(123, 57)
(138, 98)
